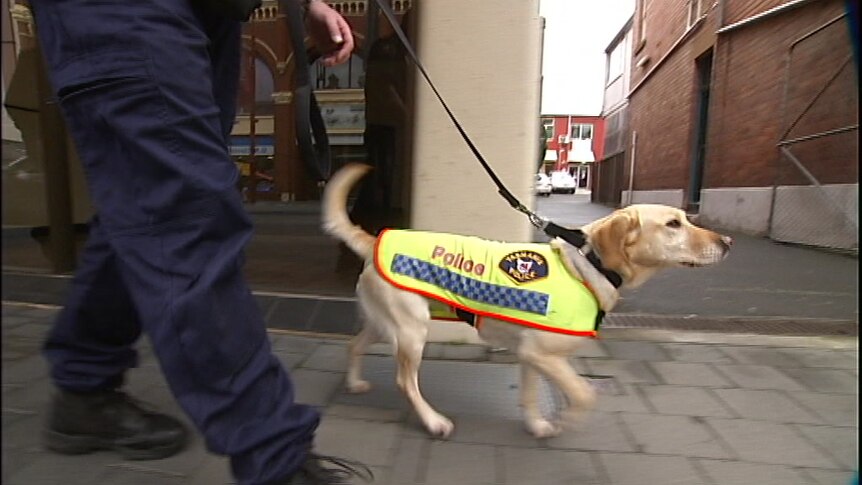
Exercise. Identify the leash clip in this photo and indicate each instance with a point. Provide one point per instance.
(536, 220)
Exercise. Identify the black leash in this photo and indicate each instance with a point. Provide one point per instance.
(510, 198)
(575, 237)
(311, 133)
(314, 143)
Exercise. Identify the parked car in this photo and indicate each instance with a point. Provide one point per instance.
(563, 182)
(542, 185)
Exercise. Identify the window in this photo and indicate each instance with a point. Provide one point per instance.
(694, 11)
(615, 62)
(349, 75)
(548, 125)
(582, 131)
(260, 90)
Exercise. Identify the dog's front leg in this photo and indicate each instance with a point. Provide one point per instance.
(579, 393)
(410, 344)
(536, 424)
(548, 356)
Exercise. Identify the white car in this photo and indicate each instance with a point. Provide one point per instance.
(542, 185)
(563, 182)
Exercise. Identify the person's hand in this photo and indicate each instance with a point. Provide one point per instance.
(330, 32)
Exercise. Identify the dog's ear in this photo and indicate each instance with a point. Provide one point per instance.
(612, 236)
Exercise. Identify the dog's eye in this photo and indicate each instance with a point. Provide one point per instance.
(673, 223)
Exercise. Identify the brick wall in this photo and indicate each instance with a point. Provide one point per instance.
(747, 112)
(665, 22)
(662, 114)
(662, 106)
(735, 10)
(747, 116)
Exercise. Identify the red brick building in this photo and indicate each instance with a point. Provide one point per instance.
(573, 143)
(746, 112)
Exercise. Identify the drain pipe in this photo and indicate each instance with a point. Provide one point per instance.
(632, 167)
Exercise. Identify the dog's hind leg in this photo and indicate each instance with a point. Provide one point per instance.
(536, 424)
(355, 350)
(410, 341)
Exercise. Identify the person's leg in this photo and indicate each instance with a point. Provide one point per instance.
(89, 347)
(135, 82)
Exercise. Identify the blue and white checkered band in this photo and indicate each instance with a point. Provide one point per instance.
(502, 296)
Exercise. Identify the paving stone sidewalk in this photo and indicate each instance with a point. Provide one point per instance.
(700, 409)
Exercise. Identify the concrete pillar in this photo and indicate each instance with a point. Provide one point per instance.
(485, 58)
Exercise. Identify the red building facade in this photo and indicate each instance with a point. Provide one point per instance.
(573, 143)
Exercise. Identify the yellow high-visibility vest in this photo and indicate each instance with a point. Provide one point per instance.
(522, 283)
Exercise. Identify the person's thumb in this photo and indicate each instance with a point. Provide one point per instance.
(334, 29)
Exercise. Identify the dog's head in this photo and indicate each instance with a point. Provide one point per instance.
(640, 239)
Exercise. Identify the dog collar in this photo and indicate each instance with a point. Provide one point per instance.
(613, 277)
(578, 239)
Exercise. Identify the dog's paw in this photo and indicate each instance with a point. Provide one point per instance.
(541, 428)
(358, 387)
(439, 426)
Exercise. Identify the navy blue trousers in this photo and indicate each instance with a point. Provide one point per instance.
(148, 89)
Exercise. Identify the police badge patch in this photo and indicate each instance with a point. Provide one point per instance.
(524, 266)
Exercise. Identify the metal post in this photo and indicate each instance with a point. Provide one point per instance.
(632, 168)
(55, 159)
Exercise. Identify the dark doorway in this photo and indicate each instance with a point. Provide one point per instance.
(704, 74)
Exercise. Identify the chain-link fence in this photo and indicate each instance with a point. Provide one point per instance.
(816, 187)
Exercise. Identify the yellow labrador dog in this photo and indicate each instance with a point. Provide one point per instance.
(635, 242)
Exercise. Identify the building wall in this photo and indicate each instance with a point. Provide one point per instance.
(599, 138)
(765, 78)
(616, 90)
(609, 177)
(663, 96)
(735, 11)
(748, 114)
(664, 23)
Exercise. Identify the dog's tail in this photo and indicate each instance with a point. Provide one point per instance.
(336, 221)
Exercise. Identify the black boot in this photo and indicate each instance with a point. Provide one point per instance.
(111, 420)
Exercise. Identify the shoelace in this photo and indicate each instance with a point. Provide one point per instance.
(343, 471)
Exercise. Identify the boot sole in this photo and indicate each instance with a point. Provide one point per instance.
(78, 445)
